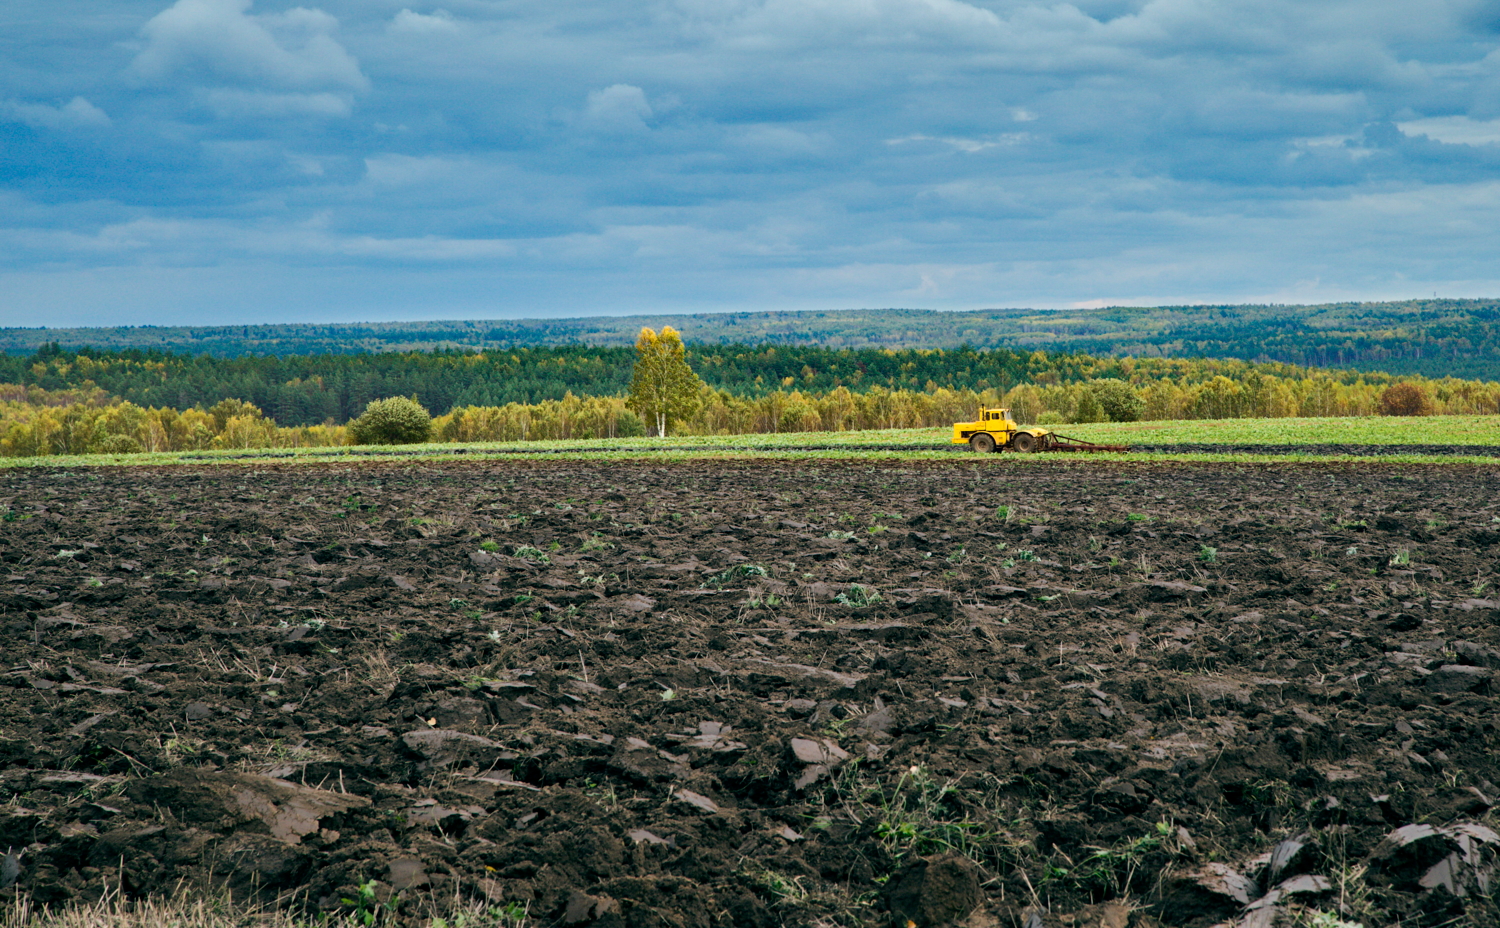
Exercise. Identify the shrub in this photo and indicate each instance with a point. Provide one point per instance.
(393, 421)
(120, 444)
(1405, 399)
(1118, 400)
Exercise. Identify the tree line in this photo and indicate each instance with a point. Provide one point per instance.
(308, 390)
(1434, 337)
(1046, 390)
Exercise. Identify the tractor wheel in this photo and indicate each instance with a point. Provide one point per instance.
(984, 443)
(1024, 442)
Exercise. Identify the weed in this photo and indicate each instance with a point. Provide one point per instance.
(858, 596)
(841, 536)
(1137, 517)
(1328, 920)
(1002, 513)
(1108, 872)
(1208, 555)
(529, 553)
(738, 572)
(1402, 558)
(603, 795)
(489, 545)
(778, 886)
(368, 909)
(595, 542)
(511, 915)
(958, 556)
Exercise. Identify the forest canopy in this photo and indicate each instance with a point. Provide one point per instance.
(71, 402)
(1435, 338)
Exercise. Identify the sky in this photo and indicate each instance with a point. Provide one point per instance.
(247, 161)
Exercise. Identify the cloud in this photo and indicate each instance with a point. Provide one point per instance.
(228, 102)
(779, 24)
(1454, 130)
(967, 145)
(218, 41)
(617, 109)
(755, 153)
(77, 113)
(440, 22)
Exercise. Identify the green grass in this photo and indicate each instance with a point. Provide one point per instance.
(899, 444)
(1366, 430)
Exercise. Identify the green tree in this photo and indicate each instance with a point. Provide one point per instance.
(664, 388)
(393, 421)
(1088, 408)
(1119, 402)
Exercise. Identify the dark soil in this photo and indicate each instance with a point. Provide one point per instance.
(759, 694)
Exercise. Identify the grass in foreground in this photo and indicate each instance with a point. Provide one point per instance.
(193, 910)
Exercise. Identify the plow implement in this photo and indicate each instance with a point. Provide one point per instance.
(1055, 442)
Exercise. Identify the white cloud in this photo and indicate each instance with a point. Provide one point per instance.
(1454, 130)
(967, 145)
(77, 113)
(439, 22)
(228, 102)
(618, 108)
(781, 23)
(222, 42)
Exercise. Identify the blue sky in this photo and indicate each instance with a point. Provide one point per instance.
(225, 161)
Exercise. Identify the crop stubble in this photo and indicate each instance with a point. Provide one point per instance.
(757, 693)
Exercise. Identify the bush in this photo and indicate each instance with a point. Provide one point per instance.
(629, 425)
(120, 444)
(1119, 402)
(1405, 399)
(393, 421)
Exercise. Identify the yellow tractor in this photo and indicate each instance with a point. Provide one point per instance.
(995, 430)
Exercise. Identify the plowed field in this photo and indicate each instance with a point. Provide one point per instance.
(712, 694)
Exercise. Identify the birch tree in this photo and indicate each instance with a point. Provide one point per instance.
(664, 388)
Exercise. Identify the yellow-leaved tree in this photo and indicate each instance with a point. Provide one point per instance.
(664, 388)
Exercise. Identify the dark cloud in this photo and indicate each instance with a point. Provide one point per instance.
(159, 159)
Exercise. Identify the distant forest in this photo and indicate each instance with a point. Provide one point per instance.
(61, 401)
(1432, 338)
(333, 388)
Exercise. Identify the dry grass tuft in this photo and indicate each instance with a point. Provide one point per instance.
(182, 911)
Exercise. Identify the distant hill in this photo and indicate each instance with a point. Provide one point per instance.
(1436, 338)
